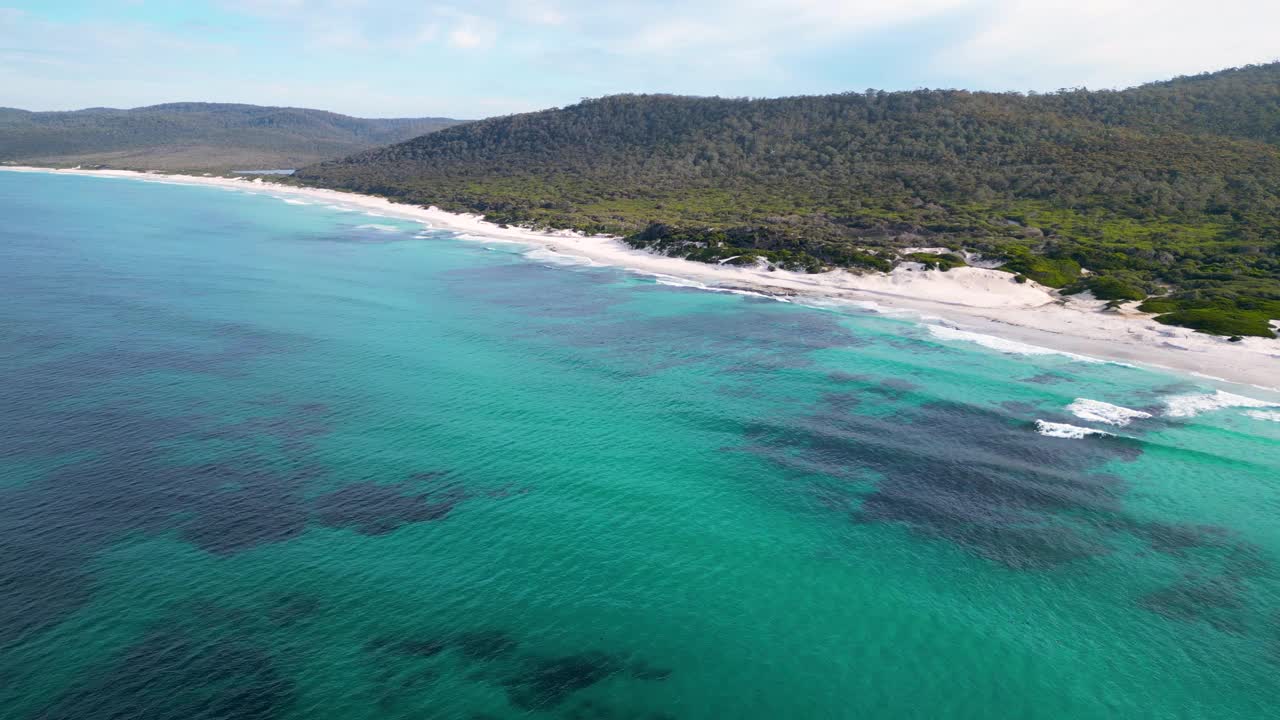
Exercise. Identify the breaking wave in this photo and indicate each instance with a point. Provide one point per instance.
(942, 332)
(555, 258)
(1098, 411)
(1194, 404)
(1063, 430)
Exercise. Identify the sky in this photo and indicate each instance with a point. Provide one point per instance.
(472, 58)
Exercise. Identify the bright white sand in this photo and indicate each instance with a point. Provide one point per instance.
(966, 304)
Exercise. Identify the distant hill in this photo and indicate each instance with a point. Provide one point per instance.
(1170, 189)
(197, 136)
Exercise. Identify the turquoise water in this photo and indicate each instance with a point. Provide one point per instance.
(263, 460)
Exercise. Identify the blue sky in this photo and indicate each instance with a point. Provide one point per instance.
(472, 59)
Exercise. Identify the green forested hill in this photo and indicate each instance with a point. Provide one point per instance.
(196, 136)
(1169, 190)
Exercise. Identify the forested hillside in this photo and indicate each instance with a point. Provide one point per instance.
(196, 136)
(1169, 191)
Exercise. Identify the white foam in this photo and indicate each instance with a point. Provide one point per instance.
(379, 228)
(487, 239)
(340, 208)
(291, 201)
(1192, 405)
(1098, 411)
(673, 281)
(1063, 430)
(555, 258)
(1208, 377)
(1233, 382)
(676, 281)
(1012, 347)
(1263, 415)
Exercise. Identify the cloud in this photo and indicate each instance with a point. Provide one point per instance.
(777, 24)
(90, 43)
(472, 33)
(368, 56)
(1105, 43)
(538, 13)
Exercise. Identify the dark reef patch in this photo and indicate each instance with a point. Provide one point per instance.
(758, 339)
(412, 647)
(642, 670)
(173, 676)
(244, 503)
(51, 528)
(1019, 408)
(898, 385)
(1047, 378)
(1215, 588)
(1218, 601)
(984, 480)
(475, 645)
(242, 519)
(912, 345)
(1178, 538)
(485, 644)
(840, 376)
(114, 478)
(588, 709)
(293, 428)
(377, 509)
(549, 681)
(532, 682)
(219, 349)
(536, 290)
(39, 586)
(292, 608)
(885, 387)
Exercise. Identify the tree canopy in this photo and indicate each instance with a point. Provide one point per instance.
(197, 136)
(1169, 190)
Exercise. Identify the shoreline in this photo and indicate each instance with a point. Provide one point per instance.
(970, 304)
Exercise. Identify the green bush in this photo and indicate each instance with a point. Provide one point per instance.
(1218, 316)
(1054, 272)
(1106, 287)
(1217, 321)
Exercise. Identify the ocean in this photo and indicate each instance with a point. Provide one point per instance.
(277, 459)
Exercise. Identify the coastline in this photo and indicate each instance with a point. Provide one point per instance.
(963, 304)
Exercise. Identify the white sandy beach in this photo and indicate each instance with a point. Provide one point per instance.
(964, 304)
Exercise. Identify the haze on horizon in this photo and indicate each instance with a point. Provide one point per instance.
(472, 59)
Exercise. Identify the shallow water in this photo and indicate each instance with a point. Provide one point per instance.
(264, 460)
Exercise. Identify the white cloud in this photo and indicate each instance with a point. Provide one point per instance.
(779, 24)
(537, 12)
(472, 33)
(363, 55)
(1108, 43)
